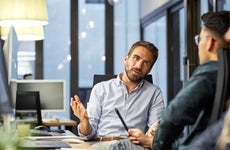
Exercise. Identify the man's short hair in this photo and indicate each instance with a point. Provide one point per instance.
(217, 22)
(150, 46)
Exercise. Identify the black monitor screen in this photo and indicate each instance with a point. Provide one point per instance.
(27, 104)
(26, 101)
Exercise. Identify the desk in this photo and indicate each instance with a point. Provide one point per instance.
(67, 123)
(83, 145)
(68, 138)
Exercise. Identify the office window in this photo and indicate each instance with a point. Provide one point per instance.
(57, 45)
(91, 41)
(204, 7)
(156, 33)
(126, 30)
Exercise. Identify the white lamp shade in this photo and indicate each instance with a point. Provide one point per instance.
(23, 12)
(27, 33)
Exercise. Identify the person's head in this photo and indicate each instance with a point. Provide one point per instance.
(140, 59)
(211, 38)
(27, 76)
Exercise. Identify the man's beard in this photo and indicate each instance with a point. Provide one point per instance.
(132, 77)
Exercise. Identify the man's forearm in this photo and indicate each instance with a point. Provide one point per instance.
(85, 128)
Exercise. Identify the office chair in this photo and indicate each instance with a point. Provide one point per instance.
(223, 84)
(99, 78)
(27, 102)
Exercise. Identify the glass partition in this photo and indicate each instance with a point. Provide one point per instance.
(56, 49)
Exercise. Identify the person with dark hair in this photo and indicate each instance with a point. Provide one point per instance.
(139, 101)
(216, 136)
(192, 106)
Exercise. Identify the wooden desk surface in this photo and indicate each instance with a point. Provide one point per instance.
(83, 145)
(59, 122)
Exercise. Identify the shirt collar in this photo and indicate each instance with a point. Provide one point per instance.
(119, 82)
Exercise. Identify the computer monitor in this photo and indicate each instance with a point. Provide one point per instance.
(52, 93)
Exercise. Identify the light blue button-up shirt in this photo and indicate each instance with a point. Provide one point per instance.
(139, 109)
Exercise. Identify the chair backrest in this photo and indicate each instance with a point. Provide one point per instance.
(27, 102)
(99, 78)
(223, 84)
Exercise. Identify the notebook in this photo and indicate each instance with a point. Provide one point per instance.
(43, 144)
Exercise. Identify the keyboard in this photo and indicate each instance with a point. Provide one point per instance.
(34, 132)
(57, 130)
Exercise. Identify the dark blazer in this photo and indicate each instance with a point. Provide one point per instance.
(191, 107)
